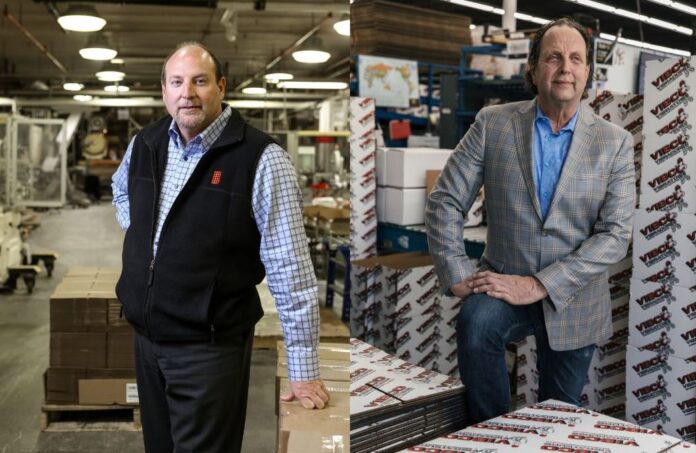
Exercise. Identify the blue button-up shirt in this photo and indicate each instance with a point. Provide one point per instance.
(550, 150)
(277, 205)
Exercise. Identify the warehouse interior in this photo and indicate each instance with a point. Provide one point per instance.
(63, 132)
(421, 73)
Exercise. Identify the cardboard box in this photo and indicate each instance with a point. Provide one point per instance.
(381, 166)
(406, 166)
(108, 391)
(60, 384)
(553, 426)
(111, 373)
(70, 314)
(363, 150)
(661, 391)
(119, 350)
(662, 317)
(405, 206)
(78, 350)
(326, 430)
(116, 322)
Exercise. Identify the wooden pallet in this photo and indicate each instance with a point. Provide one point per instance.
(76, 417)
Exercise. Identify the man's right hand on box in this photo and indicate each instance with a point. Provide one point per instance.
(312, 394)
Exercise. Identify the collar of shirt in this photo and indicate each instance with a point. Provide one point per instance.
(203, 141)
(544, 120)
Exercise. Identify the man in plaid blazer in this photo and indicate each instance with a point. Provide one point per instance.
(560, 188)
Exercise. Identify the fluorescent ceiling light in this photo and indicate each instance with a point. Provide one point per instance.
(110, 76)
(634, 16)
(533, 19)
(275, 77)
(676, 5)
(342, 27)
(479, 6)
(117, 61)
(116, 89)
(73, 86)
(311, 85)
(82, 97)
(81, 18)
(608, 8)
(254, 90)
(645, 45)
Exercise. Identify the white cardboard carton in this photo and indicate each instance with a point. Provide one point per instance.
(406, 166)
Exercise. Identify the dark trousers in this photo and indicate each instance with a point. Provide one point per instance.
(484, 326)
(193, 396)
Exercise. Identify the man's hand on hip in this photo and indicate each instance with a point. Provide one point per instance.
(513, 289)
(312, 394)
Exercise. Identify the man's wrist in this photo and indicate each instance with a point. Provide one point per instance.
(540, 289)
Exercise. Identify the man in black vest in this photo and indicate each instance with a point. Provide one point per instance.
(210, 206)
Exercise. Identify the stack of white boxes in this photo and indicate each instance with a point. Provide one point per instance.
(396, 306)
(363, 187)
(401, 182)
(661, 357)
(605, 390)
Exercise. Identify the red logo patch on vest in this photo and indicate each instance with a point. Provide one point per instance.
(217, 176)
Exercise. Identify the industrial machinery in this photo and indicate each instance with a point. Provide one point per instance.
(33, 170)
(14, 253)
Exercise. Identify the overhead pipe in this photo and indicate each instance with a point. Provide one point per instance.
(285, 52)
(34, 41)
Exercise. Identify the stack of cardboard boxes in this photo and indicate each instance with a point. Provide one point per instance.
(91, 345)
(554, 426)
(363, 185)
(401, 191)
(395, 404)
(661, 368)
(301, 430)
(397, 306)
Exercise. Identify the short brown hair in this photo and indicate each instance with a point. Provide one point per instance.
(218, 66)
(535, 51)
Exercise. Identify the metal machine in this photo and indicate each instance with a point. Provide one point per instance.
(33, 170)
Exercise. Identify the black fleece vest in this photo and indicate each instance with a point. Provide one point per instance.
(202, 282)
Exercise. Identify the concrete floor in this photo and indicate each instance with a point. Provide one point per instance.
(85, 237)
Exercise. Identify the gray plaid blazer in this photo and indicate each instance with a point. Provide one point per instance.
(588, 226)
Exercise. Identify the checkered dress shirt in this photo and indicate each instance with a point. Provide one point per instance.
(277, 206)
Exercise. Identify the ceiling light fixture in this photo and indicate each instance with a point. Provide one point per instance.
(312, 85)
(82, 97)
(98, 47)
(676, 5)
(81, 18)
(116, 89)
(635, 16)
(311, 53)
(275, 77)
(342, 27)
(110, 76)
(117, 61)
(479, 6)
(73, 86)
(254, 90)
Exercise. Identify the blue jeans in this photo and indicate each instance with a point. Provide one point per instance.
(484, 326)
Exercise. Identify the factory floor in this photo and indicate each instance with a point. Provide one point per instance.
(85, 237)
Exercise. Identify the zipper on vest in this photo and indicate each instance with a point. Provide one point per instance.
(212, 334)
(151, 275)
